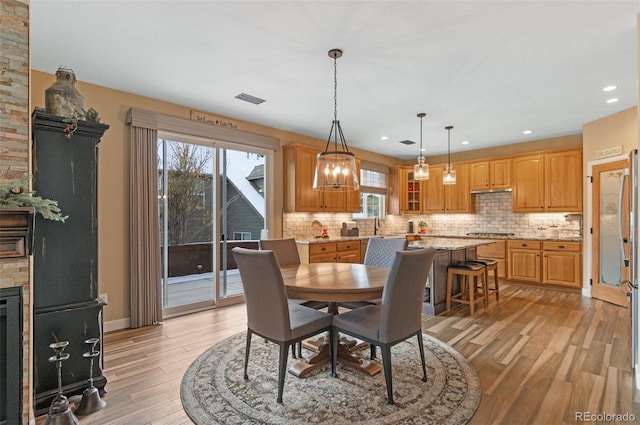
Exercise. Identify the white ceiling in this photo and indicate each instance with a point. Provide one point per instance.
(489, 68)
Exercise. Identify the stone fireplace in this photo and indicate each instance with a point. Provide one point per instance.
(15, 160)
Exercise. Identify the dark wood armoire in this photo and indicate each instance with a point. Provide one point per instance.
(65, 255)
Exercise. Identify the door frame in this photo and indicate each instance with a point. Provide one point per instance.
(588, 235)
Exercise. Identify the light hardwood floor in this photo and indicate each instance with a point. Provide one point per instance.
(541, 355)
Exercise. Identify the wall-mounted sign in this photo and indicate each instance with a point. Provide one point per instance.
(206, 118)
(605, 153)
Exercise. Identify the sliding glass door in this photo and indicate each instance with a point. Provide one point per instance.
(242, 211)
(186, 181)
(212, 198)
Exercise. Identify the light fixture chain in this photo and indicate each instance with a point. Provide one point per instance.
(420, 136)
(335, 88)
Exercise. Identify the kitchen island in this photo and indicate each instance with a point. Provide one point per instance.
(449, 251)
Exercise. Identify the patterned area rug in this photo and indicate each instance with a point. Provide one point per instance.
(214, 392)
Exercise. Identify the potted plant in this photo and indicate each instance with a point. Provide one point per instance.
(422, 226)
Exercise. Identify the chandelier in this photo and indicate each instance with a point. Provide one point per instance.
(449, 176)
(421, 170)
(336, 169)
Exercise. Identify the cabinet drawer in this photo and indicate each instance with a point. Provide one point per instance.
(524, 244)
(323, 258)
(322, 248)
(561, 246)
(348, 245)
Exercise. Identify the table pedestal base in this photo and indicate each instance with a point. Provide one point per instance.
(345, 355)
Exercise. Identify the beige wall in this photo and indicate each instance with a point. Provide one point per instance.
(613, 130)
(113, 177)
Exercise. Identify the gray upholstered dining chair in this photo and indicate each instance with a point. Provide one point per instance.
(269, 314)
(286, 252)
(287, 255)
(380, 253)
(397, 318)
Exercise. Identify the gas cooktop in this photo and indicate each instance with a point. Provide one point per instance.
(490, 234)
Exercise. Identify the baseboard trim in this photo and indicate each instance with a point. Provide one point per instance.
(115, 325)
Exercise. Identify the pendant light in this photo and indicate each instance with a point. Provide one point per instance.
(449, 176)
(336, 169)
(421, 170)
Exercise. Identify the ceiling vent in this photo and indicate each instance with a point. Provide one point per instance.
(407, 142)
(250, 99)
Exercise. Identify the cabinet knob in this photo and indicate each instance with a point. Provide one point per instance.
(524, 244)
(561, 246)
(324, 249)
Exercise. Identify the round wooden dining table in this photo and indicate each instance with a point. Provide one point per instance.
(334, 283)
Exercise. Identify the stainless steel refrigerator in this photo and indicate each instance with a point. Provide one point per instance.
(629, 237)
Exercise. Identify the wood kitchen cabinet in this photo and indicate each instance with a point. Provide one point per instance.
(563, 181)
(524, 260)
(299, 164)
(330, 252)
(348, 252)
(456, 198)
(496, 251)
(490, 175)
(550, 182)
(546, 262)
(562, 263)
(405, 192)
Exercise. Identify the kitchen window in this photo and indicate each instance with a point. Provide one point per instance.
(373, 190)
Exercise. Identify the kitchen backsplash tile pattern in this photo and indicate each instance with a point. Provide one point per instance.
(493, 214)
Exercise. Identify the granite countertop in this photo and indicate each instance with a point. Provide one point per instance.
(443, 241)
(514, 237)
(449, 243)
(311, 241)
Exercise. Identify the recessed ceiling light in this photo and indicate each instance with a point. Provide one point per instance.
(527, 132)
(609, 88)
(384, 138)
(465, 142)
(612, 100)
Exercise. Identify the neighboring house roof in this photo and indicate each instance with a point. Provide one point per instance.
(239, 168)
(256, 173)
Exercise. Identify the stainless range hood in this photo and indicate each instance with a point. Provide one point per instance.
(508, 189)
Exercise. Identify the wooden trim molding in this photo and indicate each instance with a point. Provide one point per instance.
(16, 232)
(161, 122)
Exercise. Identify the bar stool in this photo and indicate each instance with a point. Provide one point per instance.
(467, 270)
(490, 264)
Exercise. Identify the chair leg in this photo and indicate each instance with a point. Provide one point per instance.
(293, 351)
(299, 349)
(246, 353)
(472, 288)
(424, 364)
(449, 289)
(386, 365)
(334, 334)
(373, 351)
(485, 286)
(282, 368)
(495, 283)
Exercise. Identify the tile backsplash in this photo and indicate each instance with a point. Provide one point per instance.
(493, 214)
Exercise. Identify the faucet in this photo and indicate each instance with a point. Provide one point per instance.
(376, 225)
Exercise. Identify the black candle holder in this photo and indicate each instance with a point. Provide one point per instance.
(91, 401)
(59, 412)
